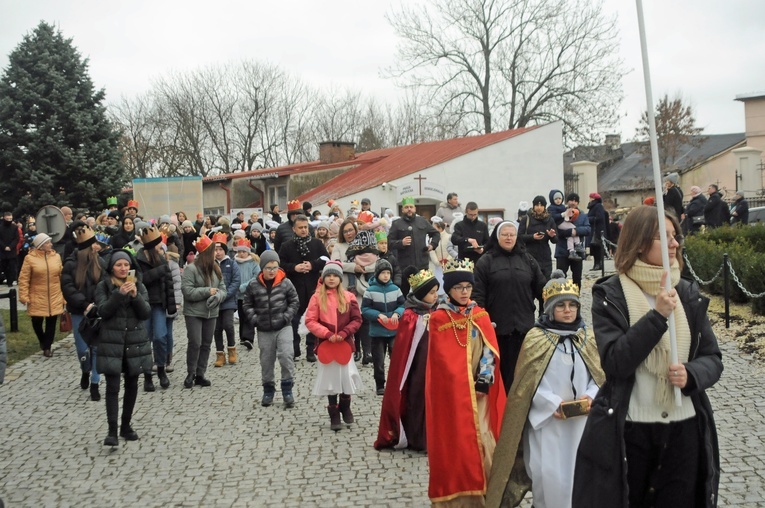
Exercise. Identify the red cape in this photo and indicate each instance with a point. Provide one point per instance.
(454, 443)
(394, 399)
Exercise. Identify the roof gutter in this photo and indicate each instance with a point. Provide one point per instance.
(228, 197)
(262, 194)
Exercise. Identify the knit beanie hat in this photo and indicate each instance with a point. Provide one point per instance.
(558, 289)
(165, 219)
(116, 256)
(539, 200)
(672, 177)
(40, 240)
(557, 194)
(256, 226)
(187, 224)
(323, 224)
(114, 214)
(267, 257)
(332, 267)
(381, 266)
(456, 272)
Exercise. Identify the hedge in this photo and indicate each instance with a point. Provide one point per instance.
(746, 250)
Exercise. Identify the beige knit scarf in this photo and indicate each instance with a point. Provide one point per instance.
(641, 278)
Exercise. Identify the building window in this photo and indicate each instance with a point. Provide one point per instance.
(277, 194)
(486, 214)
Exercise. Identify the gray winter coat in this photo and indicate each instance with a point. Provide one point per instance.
(123, 333)
(196, 293)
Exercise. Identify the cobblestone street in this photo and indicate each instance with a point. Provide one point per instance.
(218, 447)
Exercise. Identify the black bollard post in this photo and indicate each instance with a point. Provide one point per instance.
(14, 310)
(726, 291)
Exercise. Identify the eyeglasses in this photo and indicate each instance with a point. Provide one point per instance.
(463, 289)
(678, 238)
(508, 235)
(270, 268)
(567, 305)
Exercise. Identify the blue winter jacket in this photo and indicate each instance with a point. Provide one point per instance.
(379, 299)
(248, 270)
(232, 279)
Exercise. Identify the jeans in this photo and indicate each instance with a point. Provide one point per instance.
(85, 355)
(225, 323)
(379, 346)
(565, 263)
(275, 345)
(199, 331)
(156, 328)
(170, 340)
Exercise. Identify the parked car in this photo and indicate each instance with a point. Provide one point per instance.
(757, 214)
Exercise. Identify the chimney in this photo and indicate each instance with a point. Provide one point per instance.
(336, 151)
(613, 141)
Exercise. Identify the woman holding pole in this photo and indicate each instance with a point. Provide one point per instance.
(644, 447)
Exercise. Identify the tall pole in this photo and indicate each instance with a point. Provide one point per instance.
(657, 180)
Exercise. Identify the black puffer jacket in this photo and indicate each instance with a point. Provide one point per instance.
(158, 281)
(270, 309)
(77, 300)
(123, 333)
(602, 451)
(539, 249)
(506, 285)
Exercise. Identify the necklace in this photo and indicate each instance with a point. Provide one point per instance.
(457, 326)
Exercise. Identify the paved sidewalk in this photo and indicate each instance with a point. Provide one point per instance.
(218, 447)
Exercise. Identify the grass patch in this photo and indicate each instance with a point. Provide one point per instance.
(23, 343)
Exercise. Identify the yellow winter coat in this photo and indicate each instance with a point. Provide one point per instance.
(40, 284)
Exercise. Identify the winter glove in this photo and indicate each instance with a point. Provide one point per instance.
(213, 301)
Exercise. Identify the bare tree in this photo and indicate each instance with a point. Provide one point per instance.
(140, 134)
(676, 132)
(512, 63)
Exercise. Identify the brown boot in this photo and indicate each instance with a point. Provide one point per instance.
(232, 355)
(334, 418)
(345, 408)
(220, 359)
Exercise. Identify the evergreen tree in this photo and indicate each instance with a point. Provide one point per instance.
(57, 146)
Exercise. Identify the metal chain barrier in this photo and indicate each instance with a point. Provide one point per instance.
(742, 288)
(697, 278)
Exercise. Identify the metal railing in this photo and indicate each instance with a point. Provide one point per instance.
(14, 309)
(725, 270)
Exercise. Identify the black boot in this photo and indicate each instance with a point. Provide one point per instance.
(268, 394)
(289, 400)
(95, 396)
(85, 380)
(334, 418)
(111, 438)
(148, 384)
(201, 381)
(189, 381)
(164, 382)
(127, 432)
(345, 408)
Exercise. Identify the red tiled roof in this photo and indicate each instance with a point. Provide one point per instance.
(387, 164)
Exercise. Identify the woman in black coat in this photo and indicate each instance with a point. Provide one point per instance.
(665, 454)
(81, 274)
(507, 280)
(124, 346)
(537, 230)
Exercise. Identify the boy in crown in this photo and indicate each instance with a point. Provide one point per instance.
(558, 363)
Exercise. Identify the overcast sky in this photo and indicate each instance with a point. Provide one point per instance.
(710, 51)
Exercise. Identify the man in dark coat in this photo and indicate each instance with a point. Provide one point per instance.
(470, 235)
(581, 230)
(694, 212)
(284, 232)
(9, 241)
(740, 213)
(598, 218)
(673, 195)
(303, 258)
(407, 236)
(716, 211)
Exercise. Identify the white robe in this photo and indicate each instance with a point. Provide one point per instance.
(549, 444)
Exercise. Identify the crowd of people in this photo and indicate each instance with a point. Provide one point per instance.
(492, 369)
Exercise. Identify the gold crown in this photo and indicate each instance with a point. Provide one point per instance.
(463, 265)
(419, 278)
(555, 288)
(83, 234)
